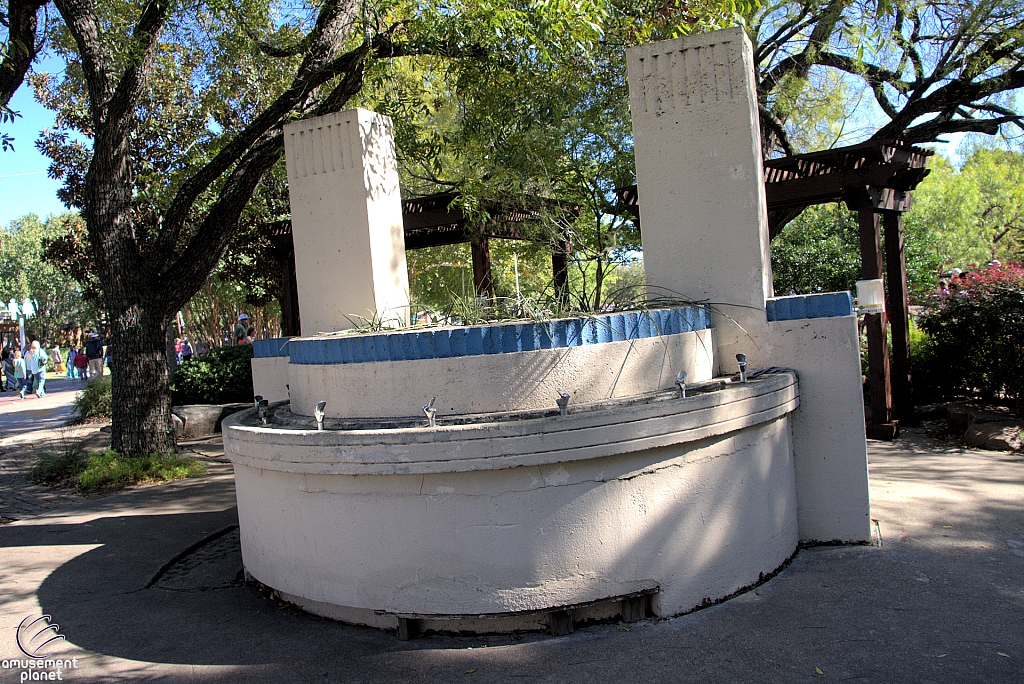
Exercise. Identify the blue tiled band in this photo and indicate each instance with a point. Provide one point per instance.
(828, 305)
(443, 343)
(265, 349)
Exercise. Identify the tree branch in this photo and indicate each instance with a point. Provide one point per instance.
(84, 26)
(22, 46)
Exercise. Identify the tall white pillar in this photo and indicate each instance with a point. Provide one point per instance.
(704, 225)
(704, 220)
(346, 221)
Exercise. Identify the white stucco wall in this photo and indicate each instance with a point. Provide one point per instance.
(346, 210)
(696, 497)
(829, 448)
(502, 382)
(270, 378)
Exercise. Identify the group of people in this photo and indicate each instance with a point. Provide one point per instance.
(25, 373)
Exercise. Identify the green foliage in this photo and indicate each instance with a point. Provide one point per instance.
(94, 399)
(222, 376)
(62, 463)
(974, 213)
(25, 272)
(819, 251)
(975, 344)
(90, 472)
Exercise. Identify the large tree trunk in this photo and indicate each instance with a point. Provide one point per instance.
(141, 408)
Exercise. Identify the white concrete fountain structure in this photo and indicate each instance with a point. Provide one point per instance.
(509, 513)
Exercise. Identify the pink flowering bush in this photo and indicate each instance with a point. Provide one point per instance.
(975, 344)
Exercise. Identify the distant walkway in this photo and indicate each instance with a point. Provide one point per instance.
(20, 416)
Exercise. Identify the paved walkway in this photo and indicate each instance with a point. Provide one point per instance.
(941, 600)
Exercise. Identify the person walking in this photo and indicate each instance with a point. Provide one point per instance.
(37, 368)
(72, 371)
(94, 352)
(56, 359)
(35, 371)
(8, 367)
(82, 365)
(19, 372)
(241, 328)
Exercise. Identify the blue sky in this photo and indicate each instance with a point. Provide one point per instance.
(24, 186)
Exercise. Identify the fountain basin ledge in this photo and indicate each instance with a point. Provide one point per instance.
(488, 368)
(644, 508)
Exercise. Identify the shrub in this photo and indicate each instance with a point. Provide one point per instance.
(975, 344)
(76, 468)
(94, 400)
(223, 376)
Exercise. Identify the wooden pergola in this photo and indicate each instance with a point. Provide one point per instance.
(875, 180)
(436, 220)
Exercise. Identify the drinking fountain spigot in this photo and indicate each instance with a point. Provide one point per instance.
(431, 413)
(741, 359)
(288, 389)
(318, 413)
(256, 401)
(681, 384)
(563, 403)
(261, 410)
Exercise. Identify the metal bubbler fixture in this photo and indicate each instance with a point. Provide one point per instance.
(256, 401)
(741, 359)
(563, 403)
(288, 388)
(431, 413)
(318, 413)
(681, 384)
(261, 410)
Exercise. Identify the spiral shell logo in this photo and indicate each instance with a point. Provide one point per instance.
(33, 636)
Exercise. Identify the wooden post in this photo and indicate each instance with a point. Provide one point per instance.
(560, 270)
(878, 351)
(482, 281)
(898, 313)
(289, 296)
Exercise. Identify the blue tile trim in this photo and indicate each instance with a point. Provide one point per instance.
(266, 349)
(502, 338)
(828, 305)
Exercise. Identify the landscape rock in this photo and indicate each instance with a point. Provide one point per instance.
(1001, 436)
(200, 420)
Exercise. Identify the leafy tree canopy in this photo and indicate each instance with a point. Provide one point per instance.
(24, 273)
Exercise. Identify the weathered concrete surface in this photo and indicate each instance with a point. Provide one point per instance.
(346, 221)
(933, 604)
(200, 420)
(516, 381)
(270, 378)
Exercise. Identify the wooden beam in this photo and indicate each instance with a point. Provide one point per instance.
(899, 316)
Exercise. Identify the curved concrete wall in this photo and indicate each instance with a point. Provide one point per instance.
(693, 497)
